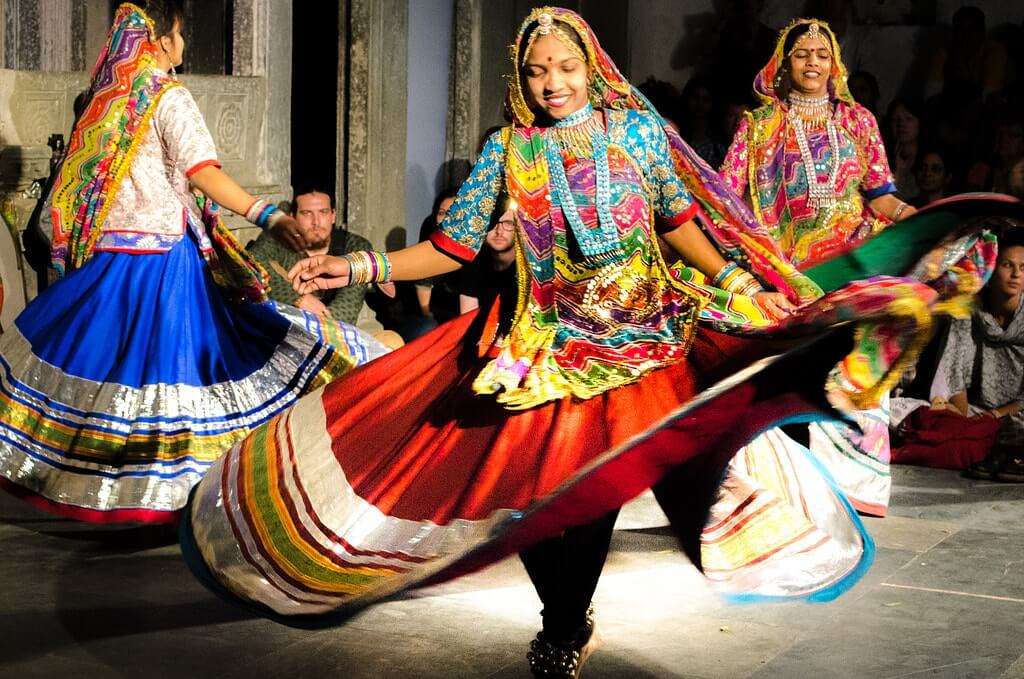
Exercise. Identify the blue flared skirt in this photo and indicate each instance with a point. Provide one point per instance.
(123, 382)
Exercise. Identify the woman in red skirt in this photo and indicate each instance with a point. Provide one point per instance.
(465, 446)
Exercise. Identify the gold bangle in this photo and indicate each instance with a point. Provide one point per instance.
(368, 266)
(357, 269)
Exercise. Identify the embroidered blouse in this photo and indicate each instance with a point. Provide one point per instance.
(764, 164)
(584, 324)
(154, 204)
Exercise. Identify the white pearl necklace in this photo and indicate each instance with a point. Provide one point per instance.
(821, 195)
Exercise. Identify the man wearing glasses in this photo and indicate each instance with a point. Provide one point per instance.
(493, 273)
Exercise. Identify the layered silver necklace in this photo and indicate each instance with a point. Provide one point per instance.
(811, 112)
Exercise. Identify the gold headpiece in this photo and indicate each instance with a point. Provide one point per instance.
(544, 23)
(814, 32)
(546, 26)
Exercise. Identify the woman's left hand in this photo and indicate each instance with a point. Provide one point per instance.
(775, 303)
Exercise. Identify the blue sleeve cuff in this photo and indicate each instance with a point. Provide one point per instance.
(883, 190)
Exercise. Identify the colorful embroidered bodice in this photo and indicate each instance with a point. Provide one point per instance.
(584, 324)
(765, 164)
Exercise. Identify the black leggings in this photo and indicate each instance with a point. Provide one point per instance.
(565, 570)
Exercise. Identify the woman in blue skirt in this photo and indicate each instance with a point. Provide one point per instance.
(157, 350)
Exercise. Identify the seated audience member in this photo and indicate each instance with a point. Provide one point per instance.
(980, 375)
(697, 118)
(978, 177)
(902, 132)
(972, 60)
(864, 88)
(313, 209)
(492, 274)
(1008, 148)
(991, 172)
(736, 106)
(933, 178)
(437, 297)
(1016, 179)
(664, 96)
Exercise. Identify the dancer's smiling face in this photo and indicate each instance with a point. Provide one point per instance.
(810, 65)
(555, 77)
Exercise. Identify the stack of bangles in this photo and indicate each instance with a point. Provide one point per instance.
(737, 281)
(263, 214)
(368, 266)
(898, 212)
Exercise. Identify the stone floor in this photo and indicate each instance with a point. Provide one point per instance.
(945, 598)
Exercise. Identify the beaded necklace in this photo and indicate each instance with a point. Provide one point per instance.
(575, 132)
(583, 135)
(821, 195)
(814, 111)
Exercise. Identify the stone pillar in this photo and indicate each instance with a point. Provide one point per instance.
(98, 18)
(341, 139)
(464, 84)
(249, 46)
(55, 50)
(44, 35)
(276, 149)
(373, 95)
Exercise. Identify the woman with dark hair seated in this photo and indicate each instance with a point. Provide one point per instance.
(980, 376)
(902, 132)
(933, 174)
(981, 372)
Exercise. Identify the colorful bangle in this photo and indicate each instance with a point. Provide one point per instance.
(898, 211)
(737, 281)
(368, 266)
(277, 215)
(724, 273)
(263, 214)
(253, 213)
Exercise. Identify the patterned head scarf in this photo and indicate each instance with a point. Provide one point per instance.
(723, 215)
(126, 86)
(608, 89)
(768, 78)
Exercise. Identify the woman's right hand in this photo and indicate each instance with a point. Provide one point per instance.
(775, 304)
(319, 272)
